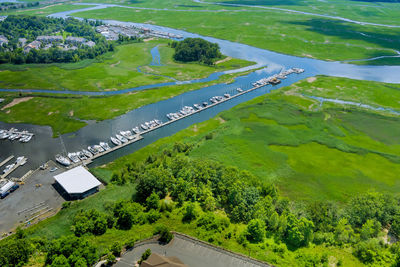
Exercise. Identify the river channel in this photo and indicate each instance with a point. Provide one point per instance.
(43, 147)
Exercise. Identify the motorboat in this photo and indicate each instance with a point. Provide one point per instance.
(197, 106)
(105, 146)
(239, 90)
(8, 167)
(81, 155)
(92, 150)
(121, 138)
(73, 157)
(115, 141)
(63, 160)
(144, 127)
(98, 148)
(87, 153)
(136, 130)
(227, 95)
(127, 134)
(205, 104)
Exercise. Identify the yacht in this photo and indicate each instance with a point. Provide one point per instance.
(227, 95)
(63, 160)
(98, 148)
(81, 155)
(121, 138)
(197, 106)
(136, 130)
(205, 104)
(8, 167)
(73, 157)
(127, 134)
(92, 150)
(87, 153)
(239, 90)
(144, 127)
(115, 141)
(105, 146)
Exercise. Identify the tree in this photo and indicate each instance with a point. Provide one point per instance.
(116, 249)
(164, 233)
(344, 233)
(15, 252)
(153, 202)
(370, 229)
(298, 232)
(60, 261)
(145, 256)
(190, 213)
(256, 231)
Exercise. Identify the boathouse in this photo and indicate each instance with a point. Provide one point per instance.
(77, 183)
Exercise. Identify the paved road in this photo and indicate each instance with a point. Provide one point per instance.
(191, 253)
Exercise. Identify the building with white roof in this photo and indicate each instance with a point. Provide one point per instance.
(78, 182)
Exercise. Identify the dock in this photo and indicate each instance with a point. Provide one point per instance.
(5, 161)
(139, 136)
(20, 163)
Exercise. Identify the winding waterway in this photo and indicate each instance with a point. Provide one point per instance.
(43, 147)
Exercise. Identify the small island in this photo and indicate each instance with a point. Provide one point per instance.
(196, 50)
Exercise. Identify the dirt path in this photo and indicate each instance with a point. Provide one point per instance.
(16, 101)
(223, 60)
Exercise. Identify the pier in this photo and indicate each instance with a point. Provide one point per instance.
(17, 164)
(139, 136)
(5, 161)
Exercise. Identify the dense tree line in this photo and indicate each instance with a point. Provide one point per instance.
(215, 198)
(30, 27)
(196, 49)
(8, 5)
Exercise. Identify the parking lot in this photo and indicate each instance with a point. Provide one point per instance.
(32, 201)
(193, 253)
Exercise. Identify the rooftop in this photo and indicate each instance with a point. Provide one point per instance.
(77, 180)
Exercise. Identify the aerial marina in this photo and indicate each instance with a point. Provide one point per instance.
(126, 137)
(16, 135)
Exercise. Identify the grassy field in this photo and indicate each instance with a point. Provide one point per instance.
(65, 114)
(43, 10)
(113, 71)
(294, 34)
(376, 12)
(312, 152)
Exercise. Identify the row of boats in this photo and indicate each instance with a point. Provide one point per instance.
(276, 78)
(13, 134)
(20, 161)
(187, 110)
(130, 135)
(121, 138)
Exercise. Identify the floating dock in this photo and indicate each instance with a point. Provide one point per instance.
(5, 161)
(17, 164)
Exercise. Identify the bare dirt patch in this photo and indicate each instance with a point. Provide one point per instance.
(51, 112)
(223, 60)
(16, 101)
(149, 39)
(221, 120)
(115, 64)
(71, 113)
(311, 79)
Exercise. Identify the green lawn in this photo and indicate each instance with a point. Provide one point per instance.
(289, 33)
(117, 70)
(312, 153)
(43, 10)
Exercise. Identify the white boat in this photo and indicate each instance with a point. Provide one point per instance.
(81, 155)
(105, 146)
(87, 153)
(93, 150)
(144, 127)
(98, 148)
(205, 104)
(239, 90)
(127, 134)
(136, 130)
(121, 138)
(197, 106)
(73, 157)
(227, 95)
(8, 167)
(63, 160)
(115, 141)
